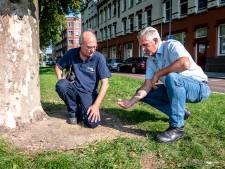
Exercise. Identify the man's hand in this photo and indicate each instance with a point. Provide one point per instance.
(125, 103)
(93, 113)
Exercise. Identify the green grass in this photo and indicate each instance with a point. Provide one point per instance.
(203, 146)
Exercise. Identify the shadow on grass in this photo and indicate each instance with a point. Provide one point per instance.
(46, 70)
(115, 118)
(128, 121)
(55, 110)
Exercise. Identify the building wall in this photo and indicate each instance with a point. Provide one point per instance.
(183, 26)
(70, 37)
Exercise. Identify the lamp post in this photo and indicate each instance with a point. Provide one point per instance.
(170, 22)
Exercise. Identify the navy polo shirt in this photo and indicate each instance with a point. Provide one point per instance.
(88, 72)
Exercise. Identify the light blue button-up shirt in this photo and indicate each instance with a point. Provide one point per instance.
(168, 52)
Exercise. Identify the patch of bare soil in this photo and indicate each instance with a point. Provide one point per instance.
(53, 133)
(151, 161)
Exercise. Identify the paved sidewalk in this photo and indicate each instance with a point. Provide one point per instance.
(216, 80)
(217, 75)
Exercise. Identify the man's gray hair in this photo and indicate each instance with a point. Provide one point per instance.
(150, 33)
(81, 38)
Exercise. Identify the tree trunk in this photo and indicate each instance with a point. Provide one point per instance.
(19, 59)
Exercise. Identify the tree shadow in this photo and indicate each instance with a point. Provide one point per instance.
(113, 118)
(46, 70)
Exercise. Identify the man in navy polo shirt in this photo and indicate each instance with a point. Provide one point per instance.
(81, 95)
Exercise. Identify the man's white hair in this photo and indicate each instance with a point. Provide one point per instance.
(149, 33)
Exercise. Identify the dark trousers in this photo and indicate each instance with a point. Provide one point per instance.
(77, 102)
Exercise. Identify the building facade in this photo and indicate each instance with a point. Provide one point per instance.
(70, 37)
(198, 24)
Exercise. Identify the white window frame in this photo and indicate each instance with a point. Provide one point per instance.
(219, 40)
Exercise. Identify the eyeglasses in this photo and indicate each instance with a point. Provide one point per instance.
(91, 47)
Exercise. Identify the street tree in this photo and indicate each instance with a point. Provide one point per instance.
(19, 58)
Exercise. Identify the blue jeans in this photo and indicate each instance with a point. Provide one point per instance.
(171, 98)
(77, 102)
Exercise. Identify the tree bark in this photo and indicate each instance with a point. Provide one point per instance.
(19, 59)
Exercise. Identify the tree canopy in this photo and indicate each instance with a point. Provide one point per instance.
(52, 18)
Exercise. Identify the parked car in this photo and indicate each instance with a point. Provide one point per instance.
(133, 65)
(113, 63)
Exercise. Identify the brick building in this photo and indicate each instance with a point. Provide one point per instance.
(198, 24)
(70, 37)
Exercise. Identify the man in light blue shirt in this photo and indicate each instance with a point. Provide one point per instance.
(183, 81)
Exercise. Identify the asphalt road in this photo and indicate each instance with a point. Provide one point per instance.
(215, 84)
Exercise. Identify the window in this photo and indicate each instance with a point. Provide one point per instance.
(114, 29)
(114, 8)
(77, 33)
(70, 33)
(221, 39)
(180, 37)
(149, 17)
(70, 24)
(138, 1)
(124, 26)
(131, 24)
(101, 32)
(128, 50)
(201, 32)
(106, 14)
(202, 4)
(109, 11)
(131, 3)
(124, 5)
(183, 7)
(139, 21)
(77, 24)
(168, 10)
(101, 16)
(222, 1)
(70, 42)
(168, 6)
(110, 31)
(106, 33)
(112, 52)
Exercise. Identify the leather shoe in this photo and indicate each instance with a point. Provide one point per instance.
(170, 135)
(187, 114)
(72, 120)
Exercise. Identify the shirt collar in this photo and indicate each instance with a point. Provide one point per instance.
(160, 48)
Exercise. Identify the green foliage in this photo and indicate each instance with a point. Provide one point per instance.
(52, 19)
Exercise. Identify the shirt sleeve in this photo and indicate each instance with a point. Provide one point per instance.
(149, 69)
(64, 62)
(102, 68)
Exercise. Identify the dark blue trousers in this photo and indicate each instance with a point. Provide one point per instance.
(77, 102)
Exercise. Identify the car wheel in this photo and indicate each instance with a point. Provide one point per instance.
(133, 70)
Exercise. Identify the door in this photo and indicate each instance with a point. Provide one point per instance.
(201, 54)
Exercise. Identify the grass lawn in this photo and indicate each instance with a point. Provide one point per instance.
(203, 146)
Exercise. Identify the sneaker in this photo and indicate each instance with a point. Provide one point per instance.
(170, 135)
(187, 114)
(72, 120)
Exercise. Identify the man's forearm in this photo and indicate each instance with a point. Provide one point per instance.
(58, 72)
(102, 92)
(142, 92)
